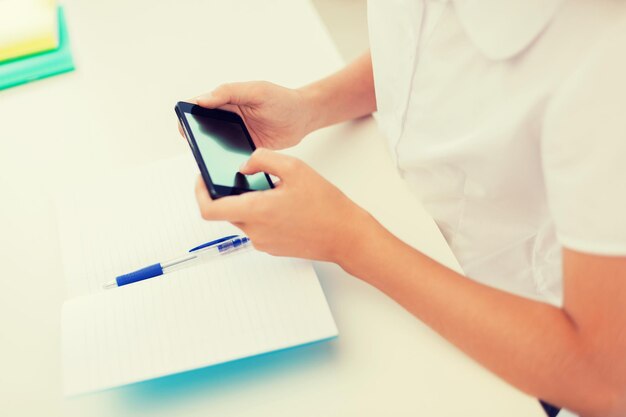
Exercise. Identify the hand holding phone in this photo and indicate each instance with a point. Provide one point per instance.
(277, 117)
(220, 143)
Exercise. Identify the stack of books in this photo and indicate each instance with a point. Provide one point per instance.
(33, 41)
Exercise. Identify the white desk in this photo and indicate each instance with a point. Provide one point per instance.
(134, 60)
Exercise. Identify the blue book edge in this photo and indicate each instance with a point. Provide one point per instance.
(45, 64)
(262, 360)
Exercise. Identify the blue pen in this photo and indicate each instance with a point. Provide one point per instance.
(218, 247)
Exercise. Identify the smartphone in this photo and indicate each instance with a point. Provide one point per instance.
(221, 143)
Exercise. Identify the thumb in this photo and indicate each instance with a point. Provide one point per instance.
(273, 163)
(232, 93)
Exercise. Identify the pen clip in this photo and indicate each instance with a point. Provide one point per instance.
(213, 243)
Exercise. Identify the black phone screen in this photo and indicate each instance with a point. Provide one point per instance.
(224, 148)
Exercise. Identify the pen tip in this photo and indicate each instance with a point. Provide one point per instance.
(109, 285)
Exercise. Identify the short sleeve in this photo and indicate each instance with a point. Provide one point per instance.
(584, 151)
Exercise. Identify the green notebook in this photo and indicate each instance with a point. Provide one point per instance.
(45, 64)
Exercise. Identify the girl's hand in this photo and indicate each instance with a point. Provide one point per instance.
(305, 216)
(277, 117)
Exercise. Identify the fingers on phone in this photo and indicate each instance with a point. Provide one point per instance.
(231, 108)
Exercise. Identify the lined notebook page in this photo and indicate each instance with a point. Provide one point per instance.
(131, 220)
(219, 310)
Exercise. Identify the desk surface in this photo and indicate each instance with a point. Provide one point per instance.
(134, 61)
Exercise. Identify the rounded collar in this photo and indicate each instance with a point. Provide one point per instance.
(503, 28)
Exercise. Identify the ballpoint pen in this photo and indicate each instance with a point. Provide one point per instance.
(218, 247)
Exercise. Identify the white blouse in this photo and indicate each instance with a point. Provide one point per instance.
(508, 119)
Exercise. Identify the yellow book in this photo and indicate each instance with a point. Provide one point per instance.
(27, 27)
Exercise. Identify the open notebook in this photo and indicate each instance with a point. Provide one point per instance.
(220, 310)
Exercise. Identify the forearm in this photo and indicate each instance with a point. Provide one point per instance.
(533, 345)
(344, 95)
